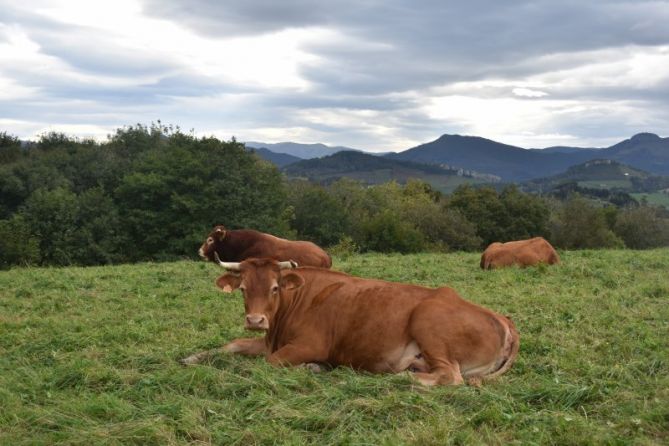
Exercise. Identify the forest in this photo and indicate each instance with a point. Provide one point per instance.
(154, 192)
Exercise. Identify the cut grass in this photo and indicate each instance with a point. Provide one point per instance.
(88, 356)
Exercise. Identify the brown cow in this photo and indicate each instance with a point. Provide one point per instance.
(238, 245)
(521, 252)
(313, 316)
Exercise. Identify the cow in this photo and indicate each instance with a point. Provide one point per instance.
(313, 316)
(241, 244)
(521, 252)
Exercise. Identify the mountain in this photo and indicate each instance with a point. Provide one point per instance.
(484, 155)
(373, 169)
(280, 159)
(303, 151)
(645, 151)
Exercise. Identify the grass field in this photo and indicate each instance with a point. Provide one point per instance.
(655, 198)
(88, 356)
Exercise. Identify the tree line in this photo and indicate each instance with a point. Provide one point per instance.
(154, 192)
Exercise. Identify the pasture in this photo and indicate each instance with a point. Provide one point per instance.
(89, 356)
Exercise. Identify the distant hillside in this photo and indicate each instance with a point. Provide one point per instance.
(644, 151)
(567, 149)
(374, 169)
(303, 151)
(598, 174)
(483, 155)
(280, 159)
(605, 180)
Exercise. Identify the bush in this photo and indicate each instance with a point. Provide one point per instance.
(501, 217)
(319, 216)
(642, 228)
(17, 245)
(577, 224)
(387, 232)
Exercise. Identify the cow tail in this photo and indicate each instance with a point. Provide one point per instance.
(510, 350)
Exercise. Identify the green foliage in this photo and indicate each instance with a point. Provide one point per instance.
(319, 216)
(176, 193)
(501, 217)
(642, 227)
(89, 356)
(577, 224)
(17, 245)
(10, 148)
(387, 232)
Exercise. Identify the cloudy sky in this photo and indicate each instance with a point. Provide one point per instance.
(376, 75)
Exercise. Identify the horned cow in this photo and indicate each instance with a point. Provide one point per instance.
(241, 244)
(316, 316)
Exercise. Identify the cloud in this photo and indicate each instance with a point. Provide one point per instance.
(378, 75)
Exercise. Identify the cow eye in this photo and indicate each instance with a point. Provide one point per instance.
(210, 240)
(275, 289)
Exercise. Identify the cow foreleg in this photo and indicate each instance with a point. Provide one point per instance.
(292, 355)
(245, 346)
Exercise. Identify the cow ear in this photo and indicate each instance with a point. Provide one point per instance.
(220, 233)
(291, 281)
(229, 282)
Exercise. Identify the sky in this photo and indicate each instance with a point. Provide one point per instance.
(381, 75)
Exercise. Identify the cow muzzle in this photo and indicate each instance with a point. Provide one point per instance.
(256, 322)
(201, 253)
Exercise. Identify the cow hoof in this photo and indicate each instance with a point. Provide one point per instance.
(315, 368)
(191, 360)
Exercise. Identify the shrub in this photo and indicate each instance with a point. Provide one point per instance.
(577, 224)
(387, 232)
(17, 245)
(642, 228)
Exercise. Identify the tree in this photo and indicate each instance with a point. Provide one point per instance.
(577, 224)
(17, 245)
(319, 216)
(174, 194)
(642, 227)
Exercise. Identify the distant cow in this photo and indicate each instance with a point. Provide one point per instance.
(238, 245)
(521, 252)
(315, 316)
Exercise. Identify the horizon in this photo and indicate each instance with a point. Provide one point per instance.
(378, 76)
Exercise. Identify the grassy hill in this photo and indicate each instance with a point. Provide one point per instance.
(372, 169)
(88, 356)
(599, 174)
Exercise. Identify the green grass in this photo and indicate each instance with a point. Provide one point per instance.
(88, 356)
(655, 198)
(606, 184)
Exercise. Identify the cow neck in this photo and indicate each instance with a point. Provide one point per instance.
(232, 247)
(288, 302)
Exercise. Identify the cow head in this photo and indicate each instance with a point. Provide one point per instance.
(261, 282)
(212, 243)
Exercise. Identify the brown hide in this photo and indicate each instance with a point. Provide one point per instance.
(322, 316)
(522, 253)
(238, 245)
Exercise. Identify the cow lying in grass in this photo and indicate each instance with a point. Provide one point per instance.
(241, 244)
(312, 316)
(521, 252)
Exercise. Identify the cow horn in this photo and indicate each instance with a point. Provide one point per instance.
(288, 264)
(231, 266)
